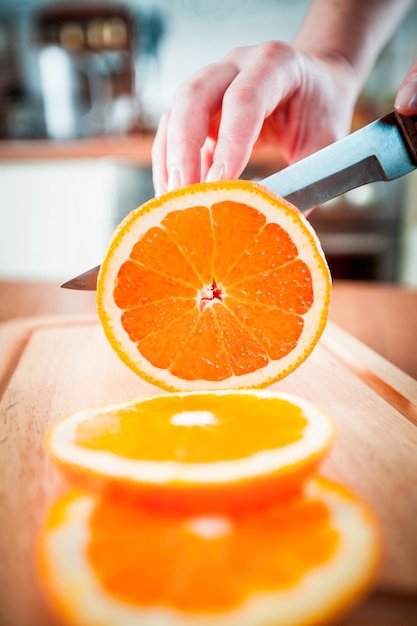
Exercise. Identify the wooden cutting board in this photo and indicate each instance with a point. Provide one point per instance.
(50, 367)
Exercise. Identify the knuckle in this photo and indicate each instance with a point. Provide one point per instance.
(235, 55)
(274, 50)
(241, 94)
(190, 89)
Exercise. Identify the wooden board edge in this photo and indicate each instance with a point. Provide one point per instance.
(15, 334)
(390, 382)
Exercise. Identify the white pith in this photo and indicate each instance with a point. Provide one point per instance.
(320, 592)
(316, 437)
(309, 250)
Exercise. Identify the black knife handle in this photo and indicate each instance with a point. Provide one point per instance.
(408, 127)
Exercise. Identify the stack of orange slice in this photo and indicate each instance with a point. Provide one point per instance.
(204, 506)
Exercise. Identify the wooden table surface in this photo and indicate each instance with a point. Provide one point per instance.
(382, 316)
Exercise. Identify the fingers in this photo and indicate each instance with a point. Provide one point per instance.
(268, 77)
(243, 113)
(228, 103)
(406, 98)
(183, 131)
(159, 169)
(219, 114)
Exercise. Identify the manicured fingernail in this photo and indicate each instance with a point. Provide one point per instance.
(158, 190)
(406, 99)
(174, 178)
(216, 171)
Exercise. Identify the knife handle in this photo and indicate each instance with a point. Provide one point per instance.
(408, 128)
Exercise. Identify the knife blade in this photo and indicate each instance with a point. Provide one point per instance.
(383, 150)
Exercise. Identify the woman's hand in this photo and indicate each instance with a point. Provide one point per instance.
(271, 94)
(296, 97)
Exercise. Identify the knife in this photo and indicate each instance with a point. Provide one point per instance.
(383, 150)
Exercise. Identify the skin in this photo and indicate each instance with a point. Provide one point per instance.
(299, 97)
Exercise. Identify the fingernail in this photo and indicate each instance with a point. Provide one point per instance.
(216, 171)
(174, 178)
(159, 190)
(158, 187)
(406, 99)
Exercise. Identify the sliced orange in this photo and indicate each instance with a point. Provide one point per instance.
(195, 451)
(306, 563)
(216, 285)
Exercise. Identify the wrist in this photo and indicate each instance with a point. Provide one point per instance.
(350, 34)
(342, 70)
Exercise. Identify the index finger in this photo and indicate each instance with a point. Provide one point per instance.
(268, 80)
(187, 125)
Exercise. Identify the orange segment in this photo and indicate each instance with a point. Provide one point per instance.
(153, 251)
(196, 428)
(195, 451)
(161, 347)
(191, 230)
(219, 347)
(245, 551)
(157, 316)
(235, 226)
(308, 562)
(278, 332)
(270, 249)
(223, 264)
(137, 286)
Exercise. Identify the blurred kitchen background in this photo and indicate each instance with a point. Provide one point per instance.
(82, 87)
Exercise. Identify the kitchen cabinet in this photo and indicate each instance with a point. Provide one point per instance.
(57, 216)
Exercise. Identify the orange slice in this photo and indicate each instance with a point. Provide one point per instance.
(195, 451)
(103, 564)
(216, 285)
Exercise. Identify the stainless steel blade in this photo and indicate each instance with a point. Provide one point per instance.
(376, 152)
(383, 150)
(85, 282)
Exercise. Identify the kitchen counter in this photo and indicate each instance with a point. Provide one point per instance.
(135, 149)
(132, 149)
(383, 316)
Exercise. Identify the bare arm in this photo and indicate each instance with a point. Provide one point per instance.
(353, 31)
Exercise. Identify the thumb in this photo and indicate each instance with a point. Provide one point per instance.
(406, 98)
